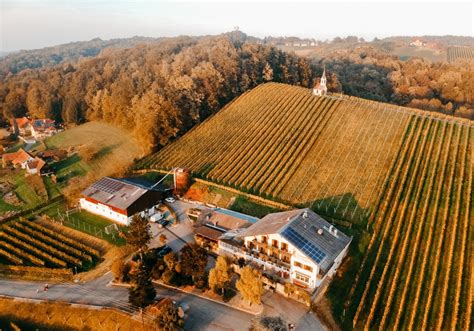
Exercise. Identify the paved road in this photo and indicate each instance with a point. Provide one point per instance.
(202, 315)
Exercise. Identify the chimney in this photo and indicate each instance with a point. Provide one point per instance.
(305, 214)
(320, 232)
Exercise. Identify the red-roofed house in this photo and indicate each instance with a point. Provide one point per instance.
(19, 158)
(34, 166)
(43, 128)
(21, 126)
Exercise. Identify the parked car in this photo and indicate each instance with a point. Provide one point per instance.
(163, 223)
(157, 217)
(170, 199)
(165, 250)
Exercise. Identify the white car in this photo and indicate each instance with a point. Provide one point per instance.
(155, 218)
(170, 199)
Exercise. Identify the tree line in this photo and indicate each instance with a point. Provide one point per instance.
(418, 83)
(157, 90)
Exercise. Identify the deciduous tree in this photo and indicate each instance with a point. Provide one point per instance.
(250, 285)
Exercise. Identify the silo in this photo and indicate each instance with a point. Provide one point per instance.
(182, 180)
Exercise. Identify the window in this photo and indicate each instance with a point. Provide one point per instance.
(302, 277)
(264, 239)
(284, 247)
(297, 264)
(275, 243)
(307, 267)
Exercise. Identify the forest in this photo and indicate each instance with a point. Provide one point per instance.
(434, 86)
(160, 88)
(155, 90)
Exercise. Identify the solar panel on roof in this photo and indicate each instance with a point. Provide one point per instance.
(107, 185)
(303, 244)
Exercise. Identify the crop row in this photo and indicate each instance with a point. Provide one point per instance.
(56, 243)
(45, 256)
(73, 242)
(21, 253)
(43, 246)
(11, 257)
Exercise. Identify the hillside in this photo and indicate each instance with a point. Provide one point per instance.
(110, 151)
(15, 62)
(402, 174)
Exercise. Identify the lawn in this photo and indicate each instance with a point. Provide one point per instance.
(113, 151)
(246, 206)
(85, 222)
(26, 191)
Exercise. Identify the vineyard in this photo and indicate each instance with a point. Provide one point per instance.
(29, 246)
(281, 142)
(417, 273)
(460, 53)
(403, 175)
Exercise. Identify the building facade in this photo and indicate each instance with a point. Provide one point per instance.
(321, 89)
(297, 246)
(118, 200)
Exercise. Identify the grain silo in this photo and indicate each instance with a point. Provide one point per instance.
(182, 180)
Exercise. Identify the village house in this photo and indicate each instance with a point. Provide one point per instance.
(22, 159)
(296, 246)
(118, 200)
(417, 43)
(34, 166)
(43, 128)
(21, 126)
(19, 158)
(213, 223)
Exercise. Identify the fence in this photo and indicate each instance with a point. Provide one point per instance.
(109, 233)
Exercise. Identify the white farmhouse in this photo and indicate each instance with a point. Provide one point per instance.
(297, 246)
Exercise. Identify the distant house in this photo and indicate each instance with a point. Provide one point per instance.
(34, 166)
(213, 223)
(296, 246)
(19, 158)
(320, 88)
(118, 199)
(43, 128)
(51, 155)
(21, 126)
(417, 43)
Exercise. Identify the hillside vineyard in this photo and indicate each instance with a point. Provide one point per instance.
(404, 173)
(280, 141)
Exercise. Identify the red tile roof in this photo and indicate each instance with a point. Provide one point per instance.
(16, 157)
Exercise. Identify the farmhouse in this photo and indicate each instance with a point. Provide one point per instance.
(21, 126)
(296, 246)
(19, 158)
(213, 223)
(43, 128)
(118, 199)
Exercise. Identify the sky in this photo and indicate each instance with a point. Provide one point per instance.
(30, 24)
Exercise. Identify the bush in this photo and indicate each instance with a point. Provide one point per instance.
(118, 268)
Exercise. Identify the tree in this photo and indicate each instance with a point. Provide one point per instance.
(163, 239)
(193, 261)
(142, 292)
(169, 318)
(219, 276)
(138, 235)
(118, 268)
(250, 285)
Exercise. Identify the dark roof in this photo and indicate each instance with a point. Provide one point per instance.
(225, 219)
(114, 192)
(300, 227)
(208, 232)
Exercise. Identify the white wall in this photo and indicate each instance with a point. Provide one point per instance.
(296, 256)
(104, 211)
